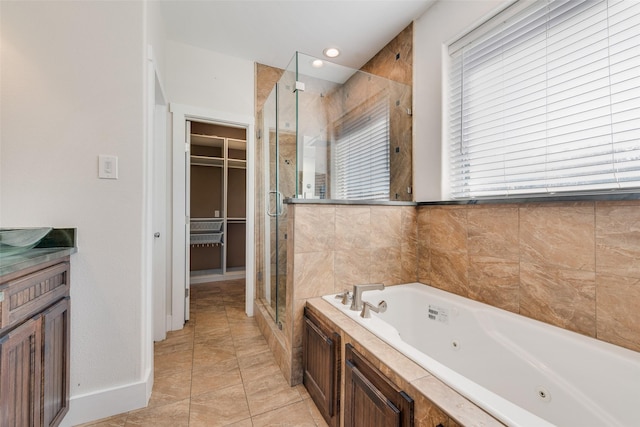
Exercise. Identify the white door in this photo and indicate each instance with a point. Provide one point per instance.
(156, 229)
(159, 221)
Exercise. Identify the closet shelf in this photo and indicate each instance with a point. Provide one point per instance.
(206, 161)
(199, 226)
(205, 238)
(239, 164)
(207, 140)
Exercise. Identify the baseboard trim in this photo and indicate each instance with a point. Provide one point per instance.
(206, 278)
(106, 403)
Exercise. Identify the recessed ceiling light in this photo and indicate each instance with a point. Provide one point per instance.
(317, 63)
(331, 52)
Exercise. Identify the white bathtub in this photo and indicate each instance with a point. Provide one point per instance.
(523, 372)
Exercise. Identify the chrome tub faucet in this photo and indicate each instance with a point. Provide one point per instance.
(356, 302)
(367, 308)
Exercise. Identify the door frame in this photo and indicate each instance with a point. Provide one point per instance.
(180, 115)
(158, 196)
(155, 270)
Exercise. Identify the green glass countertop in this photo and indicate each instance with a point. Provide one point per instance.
(59, 243)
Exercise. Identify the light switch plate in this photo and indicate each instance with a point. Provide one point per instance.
(107, 167)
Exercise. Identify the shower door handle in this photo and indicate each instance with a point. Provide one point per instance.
(278, 211)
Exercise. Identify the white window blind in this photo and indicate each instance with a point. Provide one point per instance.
(361, 160)
(547, 101)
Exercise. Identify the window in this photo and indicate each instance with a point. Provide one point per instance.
(544, 99)
(361, 159)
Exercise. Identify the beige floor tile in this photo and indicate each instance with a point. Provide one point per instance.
(303, 391)
(174, 344)
(250, 346)
(210, 333)
(171, 415)
(315, 413)
(218, 371)
(214, 343)
(270, 392)
(295, 415)
(243, 423)
(211, 318)
(258, 365)
(170, 387)
(220, 375)
(173, 362)
(207, 355)
(243, 330)
(219, 408)
(115, 421)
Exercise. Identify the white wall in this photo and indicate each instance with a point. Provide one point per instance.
(157, 36)
(444, 21)
(73, 88)
(200, 78)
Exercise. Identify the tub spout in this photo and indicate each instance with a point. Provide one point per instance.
(356, 303)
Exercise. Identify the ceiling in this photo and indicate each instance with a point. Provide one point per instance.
(270, 32)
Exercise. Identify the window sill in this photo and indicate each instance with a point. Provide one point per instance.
(537, 199)
(292, 201)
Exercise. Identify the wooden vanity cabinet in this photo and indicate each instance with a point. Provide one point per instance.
(321, 367)
(20, 375)
(370, 399)
(55, 363)
(34, 345)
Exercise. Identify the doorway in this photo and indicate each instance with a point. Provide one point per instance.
(218, 213)
(212, 147)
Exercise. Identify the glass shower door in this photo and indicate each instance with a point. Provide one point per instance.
(275, 209)
(280, 152)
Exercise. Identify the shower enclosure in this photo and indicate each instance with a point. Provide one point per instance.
(327, 132)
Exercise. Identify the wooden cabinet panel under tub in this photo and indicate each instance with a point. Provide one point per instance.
(370, 399)
(321, 367)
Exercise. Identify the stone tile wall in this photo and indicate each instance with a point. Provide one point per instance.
(572, 265)
(333, 247)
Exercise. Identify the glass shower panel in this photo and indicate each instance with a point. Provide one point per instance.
(280, 155)
(271, 204)
(354, 134)
(329, 132)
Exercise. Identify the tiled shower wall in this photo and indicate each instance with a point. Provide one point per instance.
(573, 265)
(333, 247)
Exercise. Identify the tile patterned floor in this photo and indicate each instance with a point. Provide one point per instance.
(219, 371)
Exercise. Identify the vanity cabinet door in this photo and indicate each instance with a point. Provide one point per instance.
(320, 363)
(21, 375)
(55, 367)
(370, 398)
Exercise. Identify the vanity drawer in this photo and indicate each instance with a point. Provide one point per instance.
(26, 295)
